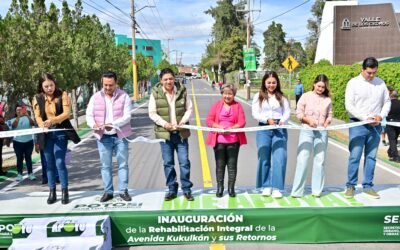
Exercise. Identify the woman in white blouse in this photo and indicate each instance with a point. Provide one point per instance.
(271, 107)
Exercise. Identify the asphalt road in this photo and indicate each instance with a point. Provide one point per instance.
(146, 170)
(145, 163)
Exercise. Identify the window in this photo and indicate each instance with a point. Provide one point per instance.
(148, 48)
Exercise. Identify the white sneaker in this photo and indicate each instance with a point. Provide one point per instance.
(267, 192)
(276, 194)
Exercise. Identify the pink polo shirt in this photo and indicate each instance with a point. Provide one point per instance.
(316, 106)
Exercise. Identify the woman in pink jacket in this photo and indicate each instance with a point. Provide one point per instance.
(226, 114)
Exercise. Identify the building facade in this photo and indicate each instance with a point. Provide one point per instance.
(352, 32)
(147, 47)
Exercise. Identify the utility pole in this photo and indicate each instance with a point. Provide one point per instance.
(134, 66)
(248, 46)
(248, 25)
(168, 39)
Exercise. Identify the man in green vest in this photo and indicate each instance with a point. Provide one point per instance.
(170, 107)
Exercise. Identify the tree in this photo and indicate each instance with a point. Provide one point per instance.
(258, 52)
(295, 49)
(17, 54)
(313, 25)
(165, 64)
(274, 46)
(224, 52)
(146, 68)
(76, 48)
(232, 55)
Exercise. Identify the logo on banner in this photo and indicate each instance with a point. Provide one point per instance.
(68, 228)
(115, 204)
(6, 229)
(21, 231)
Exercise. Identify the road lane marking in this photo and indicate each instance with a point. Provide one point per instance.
(377, 163)
(207, 182)
(217, 247)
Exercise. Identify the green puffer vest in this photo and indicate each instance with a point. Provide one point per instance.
(163, 110)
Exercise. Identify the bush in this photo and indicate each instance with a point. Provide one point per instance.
(339, 75)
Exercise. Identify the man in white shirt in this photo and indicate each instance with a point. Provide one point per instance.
(109, 113)
(366, 99)
(169, 107)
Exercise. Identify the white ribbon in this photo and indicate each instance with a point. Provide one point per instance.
(31, 131)
(396, 124)
(20, 132)
(259, 128)
(137, 139)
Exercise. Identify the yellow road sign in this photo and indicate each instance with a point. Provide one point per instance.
(290, 63)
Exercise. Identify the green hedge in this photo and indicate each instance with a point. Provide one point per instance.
(339, 75)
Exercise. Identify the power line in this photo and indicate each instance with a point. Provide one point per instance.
(116, 7)
(124, 22)
(73, 7)
(283, 13)
(162, 26)
(108, 13)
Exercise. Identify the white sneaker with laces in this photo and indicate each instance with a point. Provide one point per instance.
(267, 192)
(276, 194)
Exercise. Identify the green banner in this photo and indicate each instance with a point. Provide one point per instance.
(283, 225)
(249, 59)
(263, 225)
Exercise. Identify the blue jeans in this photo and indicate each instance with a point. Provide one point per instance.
(308, 141)
(107, 145)
(363, 138)
(23, 150)
(54, 150)
(271, 143)
(181, 146)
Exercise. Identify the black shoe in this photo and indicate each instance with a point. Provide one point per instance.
(58, 180)
(106, 197)
(125, 196)
(188, 196)
(3, 173)
(52, 196)
(395, 159)
(45, 182)
(220, 191)
(64, 196)
(231, 192)
(170, 196)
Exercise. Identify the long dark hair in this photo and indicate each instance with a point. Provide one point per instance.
(322, 78)
(263, 94)
(50, 77)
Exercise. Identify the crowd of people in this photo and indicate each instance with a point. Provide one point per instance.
(108, 114)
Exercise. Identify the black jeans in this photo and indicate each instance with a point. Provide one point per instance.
(23, 150)
(392, 133)
(226, 155)
(297, 99)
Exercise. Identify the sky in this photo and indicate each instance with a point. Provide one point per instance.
(184, 28)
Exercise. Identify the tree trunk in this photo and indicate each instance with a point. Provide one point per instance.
(75, 115)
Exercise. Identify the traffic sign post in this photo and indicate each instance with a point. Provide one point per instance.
(249, 59)
(290, 64)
